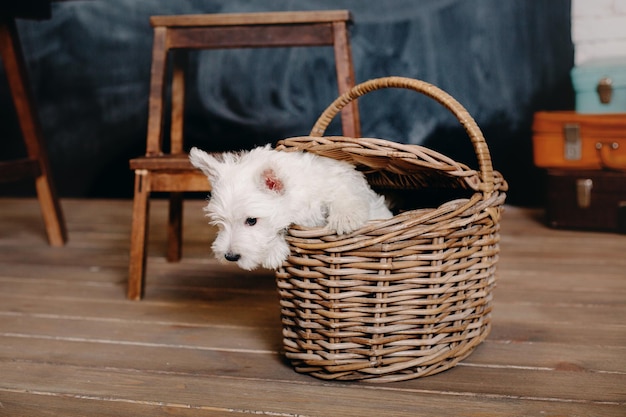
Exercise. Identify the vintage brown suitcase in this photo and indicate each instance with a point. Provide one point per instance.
(566, 139)
(586, 199)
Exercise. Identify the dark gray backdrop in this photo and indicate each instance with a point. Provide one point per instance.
(90, 64)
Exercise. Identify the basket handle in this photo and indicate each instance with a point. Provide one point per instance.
(445, 99)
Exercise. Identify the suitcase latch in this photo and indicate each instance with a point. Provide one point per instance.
(573, 144)
(583, 192)
(605, 90)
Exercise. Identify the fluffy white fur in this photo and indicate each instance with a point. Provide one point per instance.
(258, 194)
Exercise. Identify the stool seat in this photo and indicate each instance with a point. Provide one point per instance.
(163, 162)
(171, 171)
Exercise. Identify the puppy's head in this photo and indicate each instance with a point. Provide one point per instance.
(246, 204)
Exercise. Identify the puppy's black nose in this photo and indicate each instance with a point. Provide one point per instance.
(233, 257)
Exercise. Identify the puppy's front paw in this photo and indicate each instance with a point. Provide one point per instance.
(346, 221)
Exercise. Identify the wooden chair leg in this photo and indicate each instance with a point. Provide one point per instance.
(17, 76)
(175, 227)
(51, 211)
(139, 236)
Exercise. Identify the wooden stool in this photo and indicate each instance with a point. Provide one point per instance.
(36, 165)
(171, 172)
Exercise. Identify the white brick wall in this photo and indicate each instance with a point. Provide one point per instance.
(598, 29)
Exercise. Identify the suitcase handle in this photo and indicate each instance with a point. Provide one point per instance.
(609, 158)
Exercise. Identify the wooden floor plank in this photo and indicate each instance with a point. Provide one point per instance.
(505, 381)
(257, 364)
(511, 323)
(268, 397)
(50, 404)
(243, 337)
(549, 356)
(210, 309)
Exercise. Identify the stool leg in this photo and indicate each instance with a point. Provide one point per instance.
(175, 224)
(175, 227)
(17, 76)
(139, 236)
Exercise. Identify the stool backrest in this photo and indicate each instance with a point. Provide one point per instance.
(246, 30)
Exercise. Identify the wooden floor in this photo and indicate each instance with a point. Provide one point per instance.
(206, 340)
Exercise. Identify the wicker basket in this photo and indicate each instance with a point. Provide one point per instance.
(400, 298)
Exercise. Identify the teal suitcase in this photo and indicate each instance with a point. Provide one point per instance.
(600, 86)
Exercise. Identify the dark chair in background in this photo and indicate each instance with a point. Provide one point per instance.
(35, 165)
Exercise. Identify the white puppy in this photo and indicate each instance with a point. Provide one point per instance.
(256, 195)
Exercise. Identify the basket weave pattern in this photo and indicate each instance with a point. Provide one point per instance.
(399, 298)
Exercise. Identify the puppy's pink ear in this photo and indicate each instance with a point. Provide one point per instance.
(271, 182)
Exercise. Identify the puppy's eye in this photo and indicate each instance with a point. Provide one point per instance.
(251, 221)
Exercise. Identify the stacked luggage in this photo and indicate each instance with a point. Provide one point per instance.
(584, 151)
